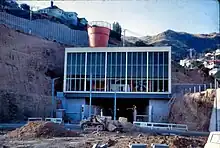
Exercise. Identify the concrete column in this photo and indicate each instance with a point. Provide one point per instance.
(115, 106)
(205, 87)
(150, 113)
(194, 89)
(190, 90)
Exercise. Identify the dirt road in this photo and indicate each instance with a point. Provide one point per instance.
(120, 140)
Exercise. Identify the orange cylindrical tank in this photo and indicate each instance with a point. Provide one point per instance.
(98, 36)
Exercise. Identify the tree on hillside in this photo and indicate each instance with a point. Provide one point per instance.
(140, 44)
(25, 7)
(117, 27)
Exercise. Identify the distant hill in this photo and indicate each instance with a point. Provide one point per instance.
(181, 42)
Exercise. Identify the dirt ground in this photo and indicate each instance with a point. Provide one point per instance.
(87, 140)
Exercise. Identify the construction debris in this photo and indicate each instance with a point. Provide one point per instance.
(39, 129)
(172, 141)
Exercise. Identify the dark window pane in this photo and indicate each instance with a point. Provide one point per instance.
(113, 71)
(150, 71)
(108, 71)
(144, 58)
(129, 71)
(82, 69)
(93, 58)
(134, 61)
(82, 84)
(139, 71)
(166, 71)
(123, 68)
(98, 62)
(166, 85)
(73, 88)
(161, 57)
(150, 56)
(155, 86)
(134, 69)
(113, 58)
(166, 57)
(79, 58)
(144, 72)
(69, 58)
(109, 61)
(103, 71)
(119, 58)
(89, 58)
(156, 74)
(129, 58)
(155, 56)
(139, 58)
(103, 58)
(123, 58)
(68, 70)
(161, 68)
(161, 86)
(118, 71)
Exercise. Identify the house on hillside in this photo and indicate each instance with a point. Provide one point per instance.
(54, 11)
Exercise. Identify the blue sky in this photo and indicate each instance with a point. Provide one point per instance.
(146, 17)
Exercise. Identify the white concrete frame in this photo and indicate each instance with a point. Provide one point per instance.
(118, 49)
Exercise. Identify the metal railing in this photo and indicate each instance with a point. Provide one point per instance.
(100, 24)
(165, 126)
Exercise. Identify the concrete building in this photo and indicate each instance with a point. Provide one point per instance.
(115, 79)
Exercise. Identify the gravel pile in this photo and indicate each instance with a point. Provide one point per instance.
(41, 129)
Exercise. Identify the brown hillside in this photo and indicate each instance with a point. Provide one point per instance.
(26, 66)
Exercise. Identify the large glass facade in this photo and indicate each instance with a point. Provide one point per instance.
(118, 71)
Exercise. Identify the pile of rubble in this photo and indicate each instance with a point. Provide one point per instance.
(193, 109)
(172, 141)
(39, 129)
(123, 141)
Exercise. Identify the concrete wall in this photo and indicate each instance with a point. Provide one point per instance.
(73, 107)
(159, 110)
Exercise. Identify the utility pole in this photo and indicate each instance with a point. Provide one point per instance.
(53, 81)
(31, 11)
